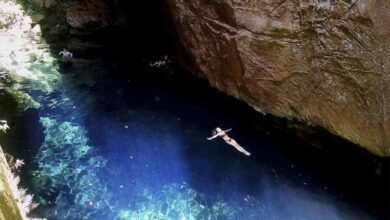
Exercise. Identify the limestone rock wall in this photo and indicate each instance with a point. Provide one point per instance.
(78, 25)
(96, 28)
(325, 62)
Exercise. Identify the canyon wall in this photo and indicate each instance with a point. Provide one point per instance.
(323, 62)
(109, 29)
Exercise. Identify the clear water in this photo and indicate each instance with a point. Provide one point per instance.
(133, 146)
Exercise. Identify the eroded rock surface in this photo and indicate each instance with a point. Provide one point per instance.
(325, 62)
(78, 25)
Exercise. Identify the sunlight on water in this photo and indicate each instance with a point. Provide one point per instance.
(66, 179)
(176, 201)
(24, 54)
(68, 167)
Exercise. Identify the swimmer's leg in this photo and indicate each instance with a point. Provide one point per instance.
(238, 147)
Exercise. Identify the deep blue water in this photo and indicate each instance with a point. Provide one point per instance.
(130, 143)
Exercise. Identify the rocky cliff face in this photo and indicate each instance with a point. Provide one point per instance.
(78, 25)
(98, 28)
(8, 205)
(324, 62)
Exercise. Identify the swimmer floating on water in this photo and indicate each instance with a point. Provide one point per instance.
(161, 63)
(66, 54)
(218, 132)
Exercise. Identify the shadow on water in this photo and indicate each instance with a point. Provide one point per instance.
(338, 172)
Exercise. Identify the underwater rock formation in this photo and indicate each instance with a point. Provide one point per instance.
(325, 63)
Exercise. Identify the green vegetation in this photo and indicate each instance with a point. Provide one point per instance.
(23, 100)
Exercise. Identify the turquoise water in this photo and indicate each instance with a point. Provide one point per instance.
(130, 143)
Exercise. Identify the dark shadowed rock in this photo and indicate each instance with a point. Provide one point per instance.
(78, 25)
(88, 15)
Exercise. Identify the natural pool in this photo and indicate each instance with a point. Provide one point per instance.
(115, 141)
(133, 146)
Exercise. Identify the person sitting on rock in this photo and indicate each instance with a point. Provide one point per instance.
(218, 132)
(66, 54)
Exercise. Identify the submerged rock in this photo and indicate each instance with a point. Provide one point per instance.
(322, 62)
(23, 100)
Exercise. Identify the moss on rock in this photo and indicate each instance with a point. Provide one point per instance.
(23, 100)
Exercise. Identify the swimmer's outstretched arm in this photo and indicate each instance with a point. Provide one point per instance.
(227, 130)
(210, 138)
